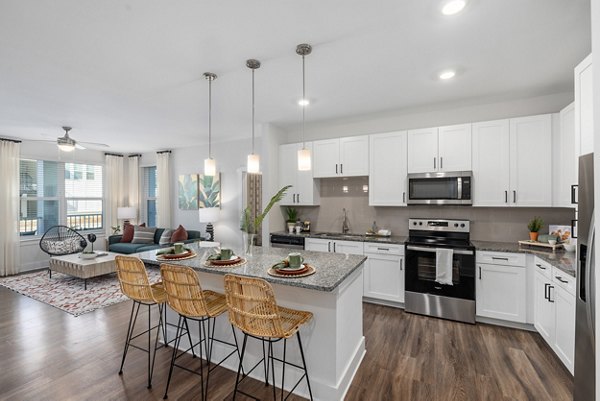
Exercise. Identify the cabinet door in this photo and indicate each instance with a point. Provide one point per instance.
(423, 150)
(491, 154)
(326, 156)
(501, 292)
(564, 337)
(531, 161)
(354, 156)
(348, 247)
(307, 189)
(543, 310)
(384, 277)
(318, 245)
(564, 160)
(288, 168)
(584, 110)
(387, 171)
(455, 148)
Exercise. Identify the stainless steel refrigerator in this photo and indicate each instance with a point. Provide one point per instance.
(585, 372)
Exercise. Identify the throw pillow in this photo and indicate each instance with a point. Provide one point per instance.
(143, 235)
(165, 238)
(179, 234)
(128, 232)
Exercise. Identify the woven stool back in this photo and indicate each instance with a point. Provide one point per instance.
(252, 306)
(133, 279)
(184, 293)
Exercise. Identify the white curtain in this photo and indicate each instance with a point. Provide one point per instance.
(134, 183)
(10, 256)
(114, 190)
(163, 178)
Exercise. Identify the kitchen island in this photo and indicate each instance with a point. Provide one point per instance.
(333, 340)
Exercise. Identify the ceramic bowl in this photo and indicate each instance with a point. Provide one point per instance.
(552, 241)
(88, 255)
(570, 247)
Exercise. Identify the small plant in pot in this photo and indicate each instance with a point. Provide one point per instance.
(291, 218)
(535, 226)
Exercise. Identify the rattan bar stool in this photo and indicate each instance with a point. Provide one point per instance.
(134, 283)
(253, 309)
(186, 297)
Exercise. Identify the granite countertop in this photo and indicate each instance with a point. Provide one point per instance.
(331, 268)
(565, 261)
(394, 239)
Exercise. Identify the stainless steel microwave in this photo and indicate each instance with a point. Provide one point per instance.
(451, 188)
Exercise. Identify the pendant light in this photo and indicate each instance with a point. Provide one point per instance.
(253, 159)
(210, 167)
(304, 162)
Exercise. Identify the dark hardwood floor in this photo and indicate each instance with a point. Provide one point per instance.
(46, 354)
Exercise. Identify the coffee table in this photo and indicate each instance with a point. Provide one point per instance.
(75, 266)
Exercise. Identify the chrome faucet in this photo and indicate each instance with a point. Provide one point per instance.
(345, 227)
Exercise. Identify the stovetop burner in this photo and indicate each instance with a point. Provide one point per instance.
(439, 233)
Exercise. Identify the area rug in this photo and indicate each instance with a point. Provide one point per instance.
(67, 293)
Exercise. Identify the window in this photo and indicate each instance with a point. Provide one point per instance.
(150, 192)
(54, 193)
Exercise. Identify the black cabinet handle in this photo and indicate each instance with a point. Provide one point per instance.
(549, 293)
(441, 162)
(329, 246)
(336, 168)
(434, 163)
(298, 198)
(479, 272)
(499, 258)
(334, 247)
(341, 168)
(403, 197)
(514, 196)
(540, 266)
(546, 296)
(383, 249)
(573, 200)
(505, 196)
(573, 228)
(401, 264)
(559, 278)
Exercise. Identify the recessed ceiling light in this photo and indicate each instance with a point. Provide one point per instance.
(453, 7)
(303, 102)
(448, 74)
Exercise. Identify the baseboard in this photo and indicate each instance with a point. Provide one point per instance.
(504, 323)
(383, 302)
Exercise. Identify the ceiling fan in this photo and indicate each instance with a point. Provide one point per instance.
(68, 144)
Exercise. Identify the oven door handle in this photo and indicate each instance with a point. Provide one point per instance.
(425, 249)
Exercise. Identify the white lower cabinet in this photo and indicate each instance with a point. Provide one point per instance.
(384, 272)
(500, 287)
(555, 310)
(334, 246)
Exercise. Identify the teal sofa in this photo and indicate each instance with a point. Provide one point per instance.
(115, 244)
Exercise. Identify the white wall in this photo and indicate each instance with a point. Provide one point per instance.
(430, 116)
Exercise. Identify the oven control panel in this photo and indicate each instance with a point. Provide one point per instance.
(461, 226)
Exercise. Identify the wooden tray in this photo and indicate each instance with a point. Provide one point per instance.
(275, 273)
(540, 244)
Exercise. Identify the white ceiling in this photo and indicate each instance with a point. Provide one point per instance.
(129, 73)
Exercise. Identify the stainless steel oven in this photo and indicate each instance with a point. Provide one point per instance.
(423, 293)
(451, 188)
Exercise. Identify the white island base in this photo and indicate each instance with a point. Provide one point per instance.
(333, 340)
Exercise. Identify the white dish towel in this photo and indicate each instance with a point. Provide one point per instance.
(443, 265)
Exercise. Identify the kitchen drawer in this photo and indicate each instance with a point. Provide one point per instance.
(384, 249)
(564, 280)
(501, 258)
(543, 267)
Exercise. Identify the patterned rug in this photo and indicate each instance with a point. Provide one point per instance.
(67, 293)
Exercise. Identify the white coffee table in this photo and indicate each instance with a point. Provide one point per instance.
(75, 266)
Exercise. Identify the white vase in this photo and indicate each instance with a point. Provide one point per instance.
(248, 243)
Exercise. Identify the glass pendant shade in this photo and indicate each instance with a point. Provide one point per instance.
(304, 162)
(253, 163)
(66, 147)
(210, 167)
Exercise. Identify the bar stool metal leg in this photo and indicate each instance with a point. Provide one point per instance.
(304, 364)
(173, 356)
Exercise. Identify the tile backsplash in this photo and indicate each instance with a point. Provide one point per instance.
(487, 223)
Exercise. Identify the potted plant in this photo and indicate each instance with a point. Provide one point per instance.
(292, 217)
(249, 227)
(534, 227)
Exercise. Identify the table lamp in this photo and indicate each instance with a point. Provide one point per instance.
(209, 215)
(126, 213)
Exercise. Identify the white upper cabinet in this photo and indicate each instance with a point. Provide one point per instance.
(584, 112)
(387, 169)
(491, 174)
(342, 157)
(531, 161)
(564, 158)
(423, 150)
(454, 148)
(440, 149)
(512, 162)
(305, 190)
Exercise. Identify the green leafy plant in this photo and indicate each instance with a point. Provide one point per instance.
(535, 224)
(292, 214)
(209, 191)
(250, 226)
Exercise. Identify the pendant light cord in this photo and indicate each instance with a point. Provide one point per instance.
(252, 111)
(304, 100)
(209, 117)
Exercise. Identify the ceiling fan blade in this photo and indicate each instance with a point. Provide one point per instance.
(103, 145)
(78, 146)
(40, 140)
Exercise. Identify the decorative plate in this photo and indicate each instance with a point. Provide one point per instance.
(179, 256)
(218, 262)
(307, 271)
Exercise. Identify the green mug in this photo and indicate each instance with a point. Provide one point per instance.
(226, 253)
(295, 260)
(178, 247)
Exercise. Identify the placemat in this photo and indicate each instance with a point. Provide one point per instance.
(208, 263)
(274, 273)
(161, 257)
